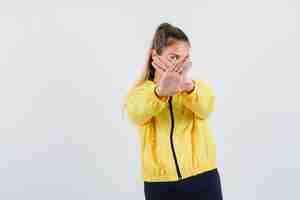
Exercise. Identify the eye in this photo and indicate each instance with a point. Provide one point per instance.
(173, 57)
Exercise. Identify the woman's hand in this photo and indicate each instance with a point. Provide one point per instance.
(170, 78)
(186, 84)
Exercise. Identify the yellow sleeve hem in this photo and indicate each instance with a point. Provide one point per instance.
(163, 98)
(191, 92)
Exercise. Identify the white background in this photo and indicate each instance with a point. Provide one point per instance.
(66, 66)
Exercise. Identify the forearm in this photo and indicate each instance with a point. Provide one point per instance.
(200, 99)
(143, 103)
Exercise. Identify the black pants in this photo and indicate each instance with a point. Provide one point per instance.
(204, 186)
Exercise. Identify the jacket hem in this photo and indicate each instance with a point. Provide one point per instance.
(176, 179)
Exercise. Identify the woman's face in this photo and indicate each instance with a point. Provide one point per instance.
(175, 53)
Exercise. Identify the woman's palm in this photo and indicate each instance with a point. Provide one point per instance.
(170, 83)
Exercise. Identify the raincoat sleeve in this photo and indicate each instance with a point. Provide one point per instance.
(142, 103)
(201, 100)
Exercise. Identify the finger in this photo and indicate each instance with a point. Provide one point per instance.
(186, 63)
(158, 68)
(183, 61)
(181, 64)
(160, 64)
(187, 66)
(179, 69)
(187, 71)
(166, 62)
(176, 69)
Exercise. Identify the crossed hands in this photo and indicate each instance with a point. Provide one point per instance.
(174, 77)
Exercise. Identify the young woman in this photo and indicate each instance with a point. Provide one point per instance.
(170, 111)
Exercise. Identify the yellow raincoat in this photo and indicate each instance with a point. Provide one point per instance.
(175, 139)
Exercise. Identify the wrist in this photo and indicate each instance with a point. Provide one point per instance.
(158, 95)
(157, 92)
(192, 88)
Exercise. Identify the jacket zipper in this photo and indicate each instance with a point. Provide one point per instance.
(171, 139)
